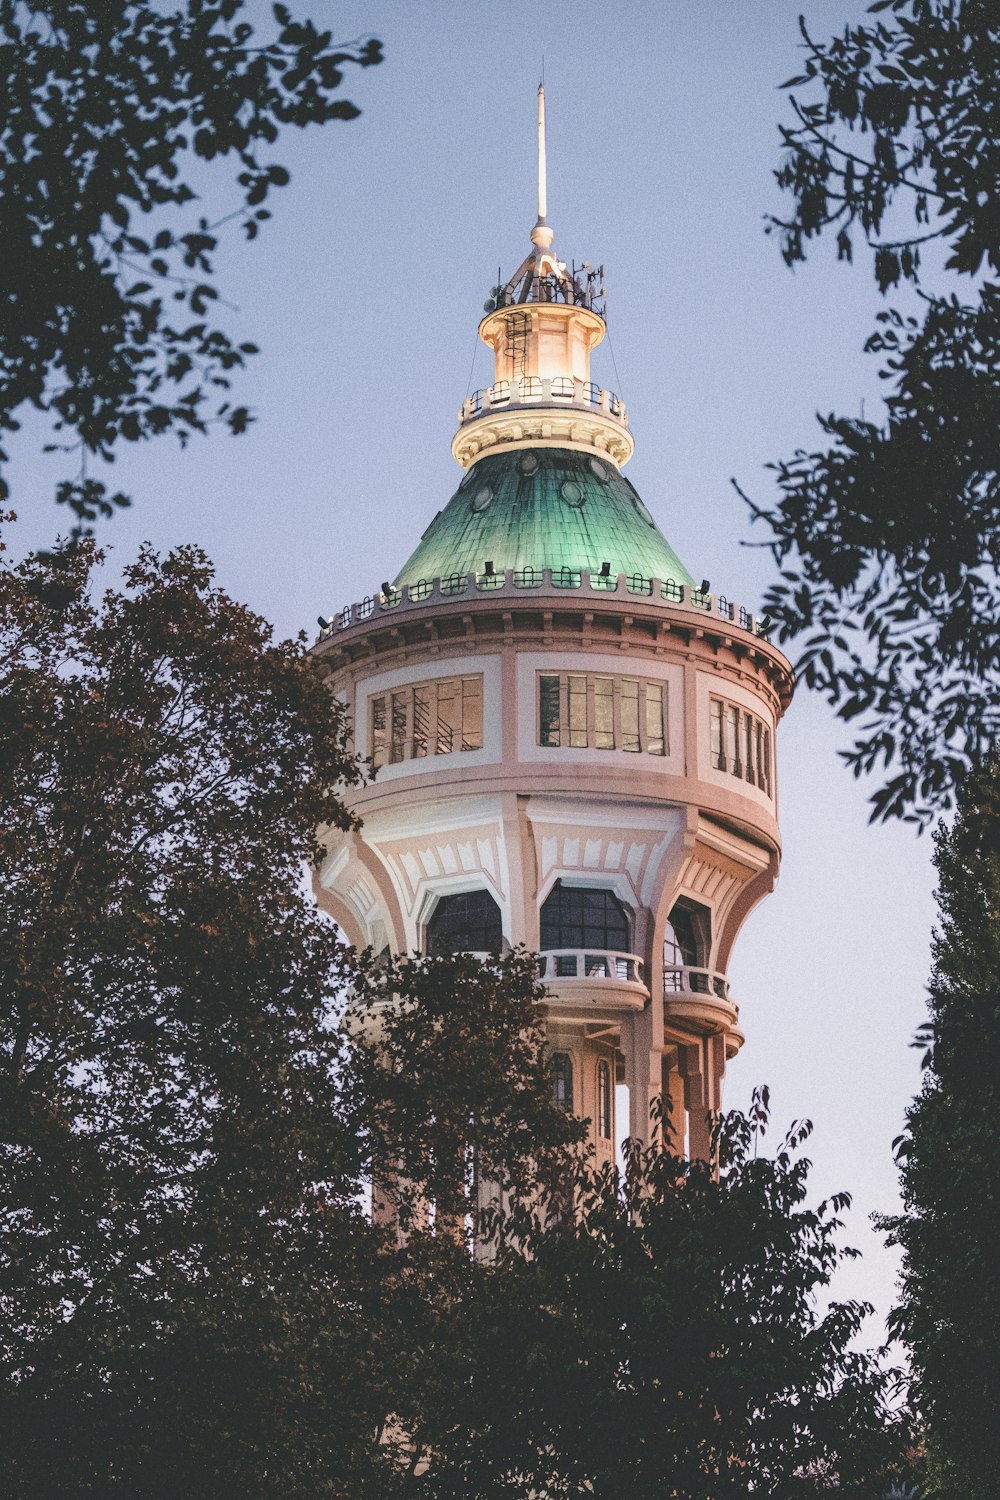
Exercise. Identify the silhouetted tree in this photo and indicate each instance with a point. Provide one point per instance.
(109, 114)
(949, 1313)
(887, 538)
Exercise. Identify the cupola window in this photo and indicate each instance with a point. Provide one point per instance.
(590, 712)
(467, 922)
(438, 717)
(741, 744)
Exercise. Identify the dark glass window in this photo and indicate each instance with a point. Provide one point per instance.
(562, 1081)
(687, 943)
(578, 917)
(604, 1101)
(465, 923)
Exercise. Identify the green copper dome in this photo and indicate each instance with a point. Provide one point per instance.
(543, 508)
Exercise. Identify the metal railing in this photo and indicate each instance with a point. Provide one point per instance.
(581, 963)
(529, 390)
(683, 979)
(516, 580)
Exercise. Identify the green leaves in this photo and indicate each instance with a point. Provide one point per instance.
(101, 111)
(886, 538)
(949, 1310)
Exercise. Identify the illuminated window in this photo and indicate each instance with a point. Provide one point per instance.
(740, 744)
(427, 718)
(604, 1101)
(602, 713)
(562, 1081)
(468, 922)
(581, 917)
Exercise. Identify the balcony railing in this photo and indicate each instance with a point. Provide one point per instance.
(682, 979)
(580, 963)
(515, 580)
(529, 390)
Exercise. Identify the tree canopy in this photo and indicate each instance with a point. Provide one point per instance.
(110, 116)
(887, 537)
(949, 1312)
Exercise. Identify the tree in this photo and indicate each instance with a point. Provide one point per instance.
(663, 1339)
(109, 117)
(949, 1312)
(183, 1263)
(887, 538)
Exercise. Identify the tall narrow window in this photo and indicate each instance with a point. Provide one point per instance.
(655, 732)
(562, 1081)
(397, 746)
(630, 714)
(718, 735)
(427, 718)
(548, 709)
(472, 713)
(602, 713)
(740, 744)
(378, 731)
(449, 716)
(733, 738)
(577, 711)
(423, 720)
(604, 1101)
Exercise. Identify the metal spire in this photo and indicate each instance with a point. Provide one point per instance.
(541, 153)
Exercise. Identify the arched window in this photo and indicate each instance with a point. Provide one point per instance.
(468, 922)
(581, 917)
(562, 1081)
(604, 1101)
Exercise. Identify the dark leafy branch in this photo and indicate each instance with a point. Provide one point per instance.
(886, 539)
(109, 117)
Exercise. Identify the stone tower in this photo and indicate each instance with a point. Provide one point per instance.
(575, 741)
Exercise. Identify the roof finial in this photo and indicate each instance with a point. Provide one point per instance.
(541, 153)
(541, 235)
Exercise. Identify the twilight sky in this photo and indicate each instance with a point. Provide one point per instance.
(365, 293)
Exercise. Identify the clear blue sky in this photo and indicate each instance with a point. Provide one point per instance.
(365, 293)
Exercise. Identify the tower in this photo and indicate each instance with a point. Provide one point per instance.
(574, 740)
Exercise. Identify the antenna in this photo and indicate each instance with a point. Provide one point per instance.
(541, 154)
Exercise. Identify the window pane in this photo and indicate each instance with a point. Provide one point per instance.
(562, 1081)
(733, 738)
(548, 710)
(718, 745)
(748, 755)
(400, 704)
(765, 763)
(630, 716)
(472, 713)
(655, 740)
(378, 732)
(604, 713)
(468, 922)
(449, 717)
(575, 917)
(423, 719)
(604, 1101)
(578, 711)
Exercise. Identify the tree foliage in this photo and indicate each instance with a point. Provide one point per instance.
(192, 1296)
(178, 1179)
(887, 537)
(664, 1339)
(949, 1313)
(110, 115)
